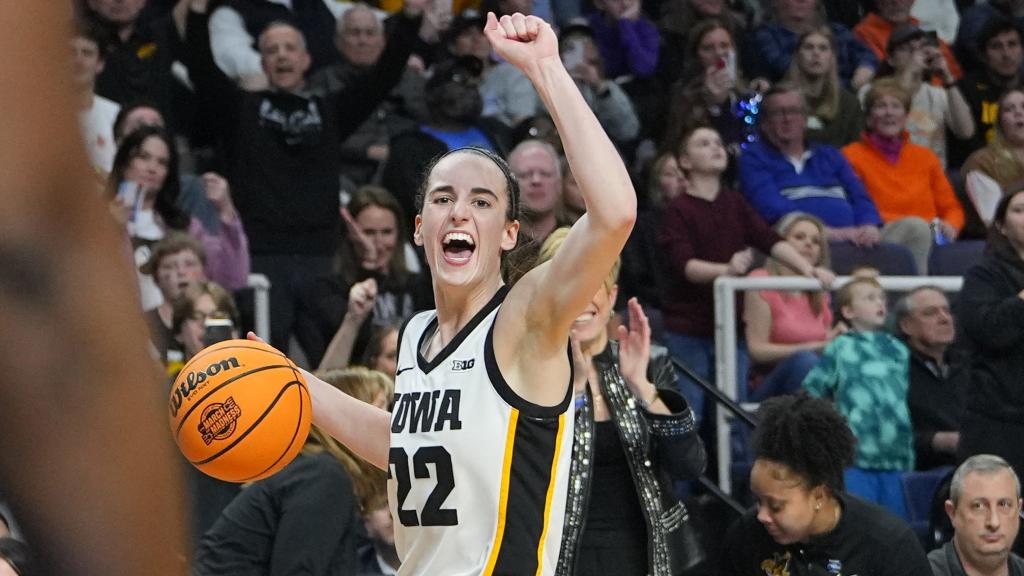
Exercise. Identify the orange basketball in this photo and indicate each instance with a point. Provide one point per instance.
(240, 410)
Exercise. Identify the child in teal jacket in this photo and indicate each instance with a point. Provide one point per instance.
(866, 373)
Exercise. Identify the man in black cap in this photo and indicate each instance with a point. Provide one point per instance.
(507, 94)
(876, 27)
(938, 105)
(454, 120)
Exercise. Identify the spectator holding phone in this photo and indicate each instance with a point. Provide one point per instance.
(877, 26)
(192, 309)
(712, 91)
(913, 60)
(144, 189)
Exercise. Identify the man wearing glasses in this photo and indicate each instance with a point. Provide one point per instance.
(783, 173)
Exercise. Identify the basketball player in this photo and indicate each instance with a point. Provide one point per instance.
(86, 461)
(478, 447)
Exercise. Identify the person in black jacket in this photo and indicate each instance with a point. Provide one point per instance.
(993, 323)
(804, 522)
(938, 375)
(140, 52)
(635, 436)
(281, 150)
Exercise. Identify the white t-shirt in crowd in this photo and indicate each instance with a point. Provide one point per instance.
(98, 130)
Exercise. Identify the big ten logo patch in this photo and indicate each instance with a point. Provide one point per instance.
(218, 420)
(463, 365)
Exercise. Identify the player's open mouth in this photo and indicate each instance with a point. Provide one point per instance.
(457, 247)
(587, 316)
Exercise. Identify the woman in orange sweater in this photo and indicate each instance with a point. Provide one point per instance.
(906, 181)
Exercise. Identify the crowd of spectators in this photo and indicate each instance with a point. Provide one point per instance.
(766, 138)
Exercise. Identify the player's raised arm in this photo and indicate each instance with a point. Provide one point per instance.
(556, 292)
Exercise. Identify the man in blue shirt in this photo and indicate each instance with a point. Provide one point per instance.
(782, 173)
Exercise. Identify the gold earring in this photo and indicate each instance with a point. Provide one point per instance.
(817, 506)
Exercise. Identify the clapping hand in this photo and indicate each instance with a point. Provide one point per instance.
(635, 348)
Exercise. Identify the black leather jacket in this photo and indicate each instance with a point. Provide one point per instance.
(659, 448)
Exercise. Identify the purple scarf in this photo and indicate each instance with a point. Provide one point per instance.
(889, 147)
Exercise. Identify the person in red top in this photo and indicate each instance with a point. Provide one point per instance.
(875, 27)
(906, 181)
(706, 232)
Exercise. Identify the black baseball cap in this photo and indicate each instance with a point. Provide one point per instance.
(465, 20)
(905, 33)
(454, 70)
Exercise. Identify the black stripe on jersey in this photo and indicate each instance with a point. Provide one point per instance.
(515, 400)
(534, 451)
(427, 366)
(401, 332)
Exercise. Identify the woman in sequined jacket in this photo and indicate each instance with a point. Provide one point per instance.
(635, 436)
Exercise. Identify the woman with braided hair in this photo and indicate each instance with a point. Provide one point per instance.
(804, 521)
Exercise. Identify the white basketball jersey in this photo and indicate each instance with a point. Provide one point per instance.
(477, 476)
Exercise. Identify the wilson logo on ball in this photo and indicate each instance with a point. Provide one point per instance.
(195, 378)
(218, 420)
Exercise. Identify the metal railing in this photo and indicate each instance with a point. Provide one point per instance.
(725, 335)
(737, 411)
(260, 285)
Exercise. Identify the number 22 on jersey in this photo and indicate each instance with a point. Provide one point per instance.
(432, 513)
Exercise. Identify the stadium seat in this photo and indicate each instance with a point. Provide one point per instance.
(954, 259)
(918, 491)
(889, 259)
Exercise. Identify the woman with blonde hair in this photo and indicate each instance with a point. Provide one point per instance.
(786, 330)
(635, 436)
(905, 180)
(833, 113)
(306, 517)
